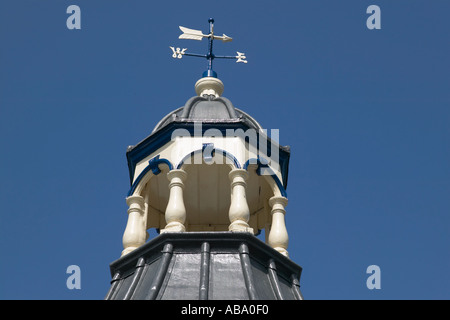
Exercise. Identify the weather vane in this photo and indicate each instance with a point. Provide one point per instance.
(192, 34)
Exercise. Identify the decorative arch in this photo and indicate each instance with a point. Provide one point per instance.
(272, 179)
(152, 169)
(208, 151)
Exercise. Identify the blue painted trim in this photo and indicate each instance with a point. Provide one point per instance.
(207, 157)
(153, 165)
(229, 156)
(155, 162)
(164, 135)
(264, 164)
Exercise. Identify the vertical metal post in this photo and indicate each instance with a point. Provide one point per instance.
(210, 56)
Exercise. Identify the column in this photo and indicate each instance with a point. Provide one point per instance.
(278, 236)
(239, 212)
(135, 231)
(175, 212)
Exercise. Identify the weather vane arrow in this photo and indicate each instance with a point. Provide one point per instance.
(192, 34)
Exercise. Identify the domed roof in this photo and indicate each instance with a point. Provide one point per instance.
(208, 108)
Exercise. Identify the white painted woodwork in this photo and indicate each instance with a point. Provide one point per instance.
(182, 143)
(239, 212)
(213, 196)
(207, 195)
(135, 232)
(175, 214)
(278, 235)
(207, 188)
(210, 86)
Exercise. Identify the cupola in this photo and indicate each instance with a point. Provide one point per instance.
(208, 179)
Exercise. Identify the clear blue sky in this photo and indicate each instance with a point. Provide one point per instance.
(366, 113)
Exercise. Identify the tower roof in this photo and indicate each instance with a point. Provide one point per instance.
(199, 266)
(208, 108)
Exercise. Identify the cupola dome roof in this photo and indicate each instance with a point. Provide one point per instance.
(208, 106)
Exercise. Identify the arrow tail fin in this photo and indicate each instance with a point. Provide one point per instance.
(191, 34)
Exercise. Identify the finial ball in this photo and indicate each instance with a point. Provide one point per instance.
(211, 20)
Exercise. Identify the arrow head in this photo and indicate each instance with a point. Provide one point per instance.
(224, 38)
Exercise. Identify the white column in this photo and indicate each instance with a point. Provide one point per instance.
(135, 231)
(278, 236)
(239, 212)
(175, 211)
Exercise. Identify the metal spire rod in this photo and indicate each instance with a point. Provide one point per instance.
(210, 56)
(192, 34)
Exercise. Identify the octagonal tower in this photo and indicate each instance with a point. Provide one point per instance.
(208, 179)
